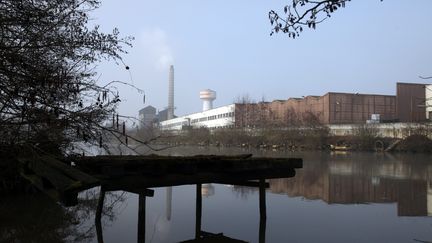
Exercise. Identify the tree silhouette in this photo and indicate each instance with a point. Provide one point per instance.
(49, 97)
(302, 14)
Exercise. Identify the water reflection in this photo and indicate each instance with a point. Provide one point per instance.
(333, 198)
(22, 220)
(357, 180)
(205, 190)
(37, 218)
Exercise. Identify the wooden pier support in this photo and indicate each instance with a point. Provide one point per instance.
(263, 210)
(141, 218)
(98, 216)
(168, 203)
(138, 173)
(198, 211)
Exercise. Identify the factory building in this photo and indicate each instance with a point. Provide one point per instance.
(341, 108)
(412, 103)
(147, 116)
(428, 101)
(221, 117)
(331, 108)
(411, 100)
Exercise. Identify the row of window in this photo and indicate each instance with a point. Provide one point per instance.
(214, 117)
(183, 123)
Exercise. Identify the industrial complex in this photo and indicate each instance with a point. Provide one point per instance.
(412, 103)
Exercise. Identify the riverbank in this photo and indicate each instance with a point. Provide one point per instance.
(314, 138)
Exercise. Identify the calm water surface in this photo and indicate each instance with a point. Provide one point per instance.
(353, 197)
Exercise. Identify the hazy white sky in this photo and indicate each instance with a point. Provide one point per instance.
(225, 45)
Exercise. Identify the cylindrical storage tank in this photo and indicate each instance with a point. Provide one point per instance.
(207, 96)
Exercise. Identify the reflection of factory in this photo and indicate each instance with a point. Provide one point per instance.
(347, 182)
(207, 190)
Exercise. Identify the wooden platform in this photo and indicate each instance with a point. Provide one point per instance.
(138, 173)
(57, 179)
(207, 237)
(112, 166)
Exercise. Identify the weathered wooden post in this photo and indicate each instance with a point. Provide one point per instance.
(168, 202)
(98, 216)
(198, 211)
(141, 217)
(263, 211)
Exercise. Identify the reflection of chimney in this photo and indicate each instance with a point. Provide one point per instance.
(170, 114)
(168, 202)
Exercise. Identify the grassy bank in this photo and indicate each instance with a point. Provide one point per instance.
(312, 138)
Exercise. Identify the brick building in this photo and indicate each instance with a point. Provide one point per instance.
(331, 108)
(408, 105)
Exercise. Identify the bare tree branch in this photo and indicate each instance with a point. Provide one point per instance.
(50, 98)
(303, 13)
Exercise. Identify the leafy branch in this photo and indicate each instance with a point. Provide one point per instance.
(302, 14)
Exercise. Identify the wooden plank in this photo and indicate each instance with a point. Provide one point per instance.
(108, 158)
(159, 165)
(56, 179)
(58, 175)
(71, 172)
(182, 179)
(247, 183)
(163, 161)
(67, 198)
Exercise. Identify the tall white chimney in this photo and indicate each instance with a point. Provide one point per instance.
(170, 114)
(207, 96)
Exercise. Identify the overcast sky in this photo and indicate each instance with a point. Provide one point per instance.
(225, 45)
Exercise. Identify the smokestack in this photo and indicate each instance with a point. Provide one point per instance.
(207, 96)
(171, 93)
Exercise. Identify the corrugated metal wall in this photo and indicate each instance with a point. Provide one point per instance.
(337, 108)
(411, 102)
(357, 108)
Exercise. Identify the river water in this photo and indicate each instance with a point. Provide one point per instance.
(335, 197)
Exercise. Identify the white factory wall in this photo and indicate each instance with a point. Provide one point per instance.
(390, 130)
(428, 101)
(220, 117)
